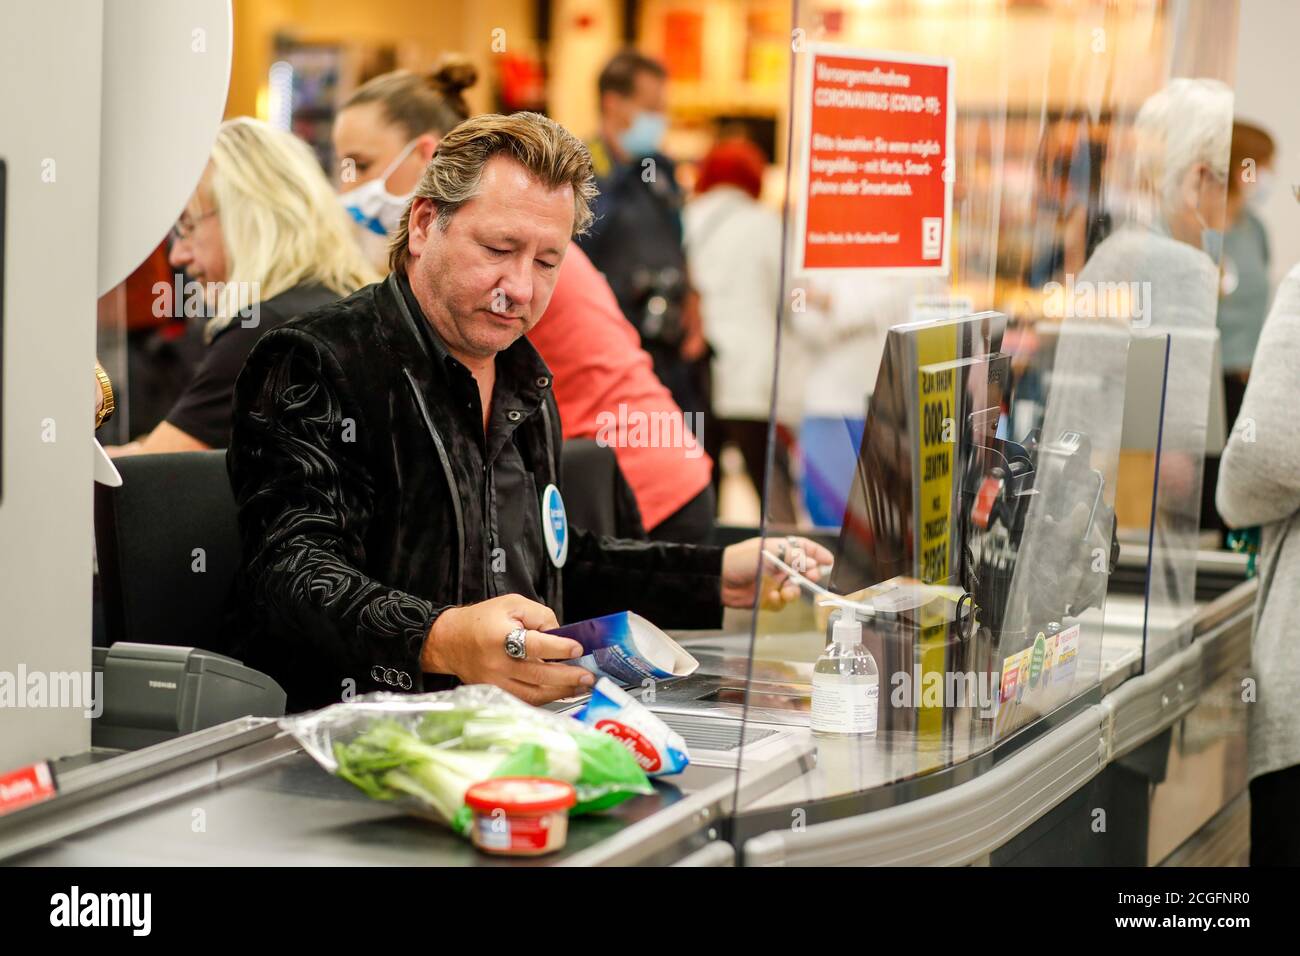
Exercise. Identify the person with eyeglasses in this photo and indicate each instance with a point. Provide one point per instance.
(1163, 261)
(261, 240)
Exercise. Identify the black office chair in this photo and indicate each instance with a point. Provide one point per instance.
(168, 547)
(175, 514)
(597, 497)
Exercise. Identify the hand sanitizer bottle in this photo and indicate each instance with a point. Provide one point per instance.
(846, 683)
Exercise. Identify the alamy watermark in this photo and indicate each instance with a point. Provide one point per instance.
(947, 689)
(52, 690)
(634, 428)
(129, 910)
(1082, 299)
(197, 300)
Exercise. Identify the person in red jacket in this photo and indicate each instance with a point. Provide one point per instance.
(604, 377)
(605, 384)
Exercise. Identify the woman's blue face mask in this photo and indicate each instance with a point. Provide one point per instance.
(1211, 238)
(1212, 242)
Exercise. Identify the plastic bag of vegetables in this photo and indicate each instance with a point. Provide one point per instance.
(426, 750)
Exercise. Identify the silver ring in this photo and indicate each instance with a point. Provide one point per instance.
(516, 643)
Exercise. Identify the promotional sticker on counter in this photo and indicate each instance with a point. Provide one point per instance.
(1067, 653)
(1036, 656)
(1049, 660)
(878, 171)
(1011, 674)
(21, 788)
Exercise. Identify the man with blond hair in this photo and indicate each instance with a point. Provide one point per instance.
(396, 455)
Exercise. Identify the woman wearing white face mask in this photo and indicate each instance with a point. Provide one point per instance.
(384, 137)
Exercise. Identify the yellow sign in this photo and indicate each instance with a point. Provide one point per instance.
(936, 382)
(936, 385)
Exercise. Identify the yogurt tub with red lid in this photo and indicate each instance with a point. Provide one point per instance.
(520, 816)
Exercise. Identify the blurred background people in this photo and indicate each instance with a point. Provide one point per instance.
(384, 135)
(261, 240)
(1243, 283)
(1259, 484)
(840, 337)
(1065, 213)
(1165, 259)
(733, 246)
(636, 238)
(1244, 287)
(152, 349)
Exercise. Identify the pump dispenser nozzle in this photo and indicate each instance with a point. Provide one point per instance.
(847, 629)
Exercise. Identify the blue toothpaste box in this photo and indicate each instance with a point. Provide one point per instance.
(627, 648)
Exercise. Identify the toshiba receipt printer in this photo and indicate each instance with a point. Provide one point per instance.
(153, 692)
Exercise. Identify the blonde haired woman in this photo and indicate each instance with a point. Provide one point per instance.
(261, 240)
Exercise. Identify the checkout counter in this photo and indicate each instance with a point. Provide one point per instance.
(1136, 756)
(1163, 751)
(1114, 734)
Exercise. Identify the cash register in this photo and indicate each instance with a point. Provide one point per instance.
(153, 692)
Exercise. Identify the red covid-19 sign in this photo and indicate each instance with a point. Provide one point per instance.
(877, 190)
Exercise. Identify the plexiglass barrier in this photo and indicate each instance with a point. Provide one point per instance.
(999, 285)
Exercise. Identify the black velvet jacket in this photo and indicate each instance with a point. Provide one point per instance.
(361, 520)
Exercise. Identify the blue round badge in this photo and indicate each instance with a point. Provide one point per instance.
(555, 526)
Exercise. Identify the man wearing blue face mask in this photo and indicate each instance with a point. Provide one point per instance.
(636, 239)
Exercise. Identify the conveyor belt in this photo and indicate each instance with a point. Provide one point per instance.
(243, 794)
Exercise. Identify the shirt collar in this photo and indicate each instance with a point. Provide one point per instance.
(432, 340)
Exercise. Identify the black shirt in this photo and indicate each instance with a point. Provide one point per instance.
(511, 550)
(203, 409)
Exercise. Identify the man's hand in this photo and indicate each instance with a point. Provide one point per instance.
(740, 562)
(470, 642)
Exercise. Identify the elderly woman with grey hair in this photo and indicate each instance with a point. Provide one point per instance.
(1163, 260)
(1168, 256)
